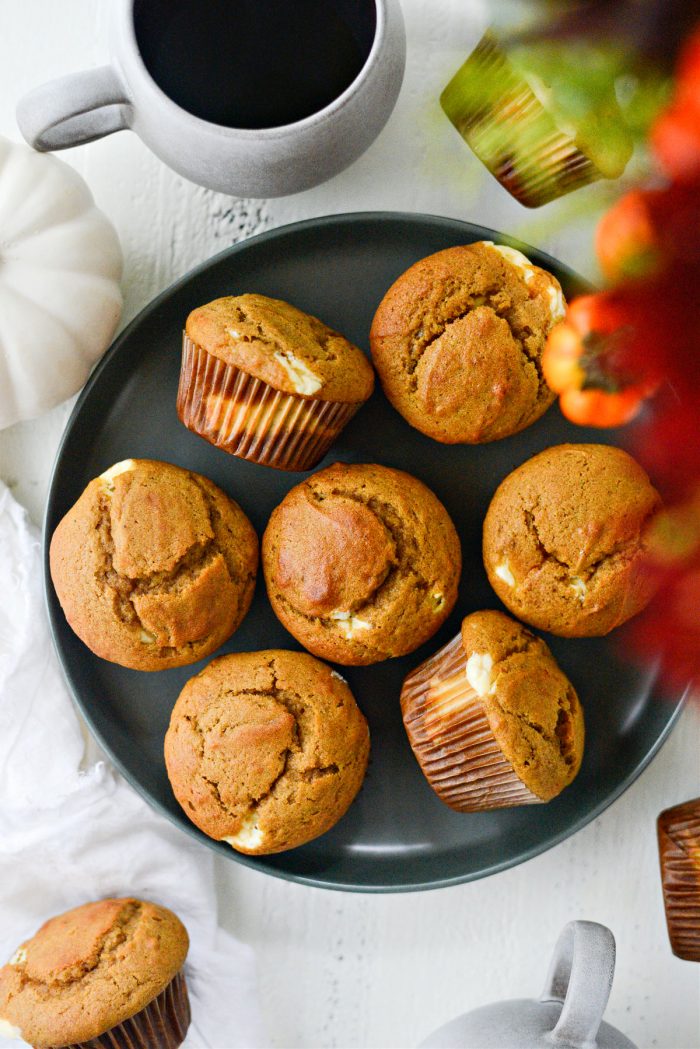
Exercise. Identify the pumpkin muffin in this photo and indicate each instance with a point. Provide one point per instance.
(362, 563)
(267, 382)
(154, 566)
(565, 539)
(266, 750)
(492, 719)
(679, 853)
(458, 339)
(105, 974)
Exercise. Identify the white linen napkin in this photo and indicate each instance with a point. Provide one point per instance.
(72, 830)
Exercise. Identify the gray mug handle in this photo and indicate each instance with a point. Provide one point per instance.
(75, 109)
(580, 975)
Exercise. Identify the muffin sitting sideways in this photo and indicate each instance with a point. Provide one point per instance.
(492, 720)
(266, 750)
(362, 563)
(154, 566)
(103, 975)
(458, 338)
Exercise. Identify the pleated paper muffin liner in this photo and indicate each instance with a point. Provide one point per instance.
(511, 132)
(452, 739)
(162, 1024)
(679, 853)
(248, 418)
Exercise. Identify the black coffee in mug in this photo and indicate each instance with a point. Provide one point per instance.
(254, 63)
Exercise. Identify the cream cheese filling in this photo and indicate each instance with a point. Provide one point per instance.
(578, 585)
(250, 836)
(300, 375)
(350, 624)
(503, 572)
(114, 471)
(479, 673)
(557, 306)
(516, 258)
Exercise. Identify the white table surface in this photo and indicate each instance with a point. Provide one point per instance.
(353, 970)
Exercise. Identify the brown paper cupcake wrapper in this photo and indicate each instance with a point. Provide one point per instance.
(507, 127)
(679, 854)
(162, 1024)
(248, 418)
(452, 739)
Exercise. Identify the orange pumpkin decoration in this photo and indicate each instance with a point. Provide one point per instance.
(627, 242)
(687, 92)
(649, 230)
(675, 136)
(585, 361)
(675, 139)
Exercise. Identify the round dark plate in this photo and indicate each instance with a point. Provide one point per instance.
(397, 834)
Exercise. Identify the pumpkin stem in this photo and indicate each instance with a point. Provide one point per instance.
(605, 360)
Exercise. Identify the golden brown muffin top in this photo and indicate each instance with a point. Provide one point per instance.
(531, 705)
(154, 566)
(457, 342)
(266, 750)
(283, 346)
(90, 969)
(362, 563)
(565, 535)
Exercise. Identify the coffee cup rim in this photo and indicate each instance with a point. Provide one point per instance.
(280, 130)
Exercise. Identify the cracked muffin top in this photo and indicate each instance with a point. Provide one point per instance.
(530, 706)
(362, 563)
(266, 750)
(457, 341)
(565, 538)
(90, 969)
(283, 346)
(154, 566)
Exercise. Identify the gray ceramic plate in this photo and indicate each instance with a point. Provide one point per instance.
(397, 835)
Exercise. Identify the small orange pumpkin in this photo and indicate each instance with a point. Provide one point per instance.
(627, 242)
(675, 139)
(675, 136)
(585, 362)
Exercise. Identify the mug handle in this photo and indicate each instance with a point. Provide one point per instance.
(580, 975)
(74, 110)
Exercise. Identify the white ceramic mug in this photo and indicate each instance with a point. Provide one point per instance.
(569, 1013)
(261, 163)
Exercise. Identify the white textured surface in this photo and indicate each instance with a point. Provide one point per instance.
(341, 970)
(78, 831)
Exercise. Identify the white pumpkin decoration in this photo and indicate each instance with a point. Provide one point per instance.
(60, 266)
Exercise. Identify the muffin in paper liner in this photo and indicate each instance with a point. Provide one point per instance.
(496, 111)
(453, 740)
(679, 855)
(162, 1024)
(247, 417)
(107, 974)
